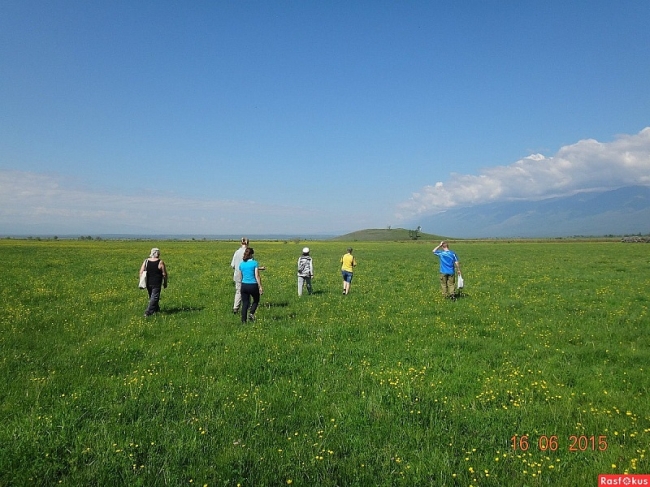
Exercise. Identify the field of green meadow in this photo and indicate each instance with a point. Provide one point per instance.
(537, 375)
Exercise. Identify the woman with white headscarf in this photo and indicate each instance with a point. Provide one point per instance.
(156, 277)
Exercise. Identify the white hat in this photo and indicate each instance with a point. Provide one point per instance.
(305, 250)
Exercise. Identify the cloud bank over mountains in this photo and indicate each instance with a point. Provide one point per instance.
(587, 165)
(622, 211)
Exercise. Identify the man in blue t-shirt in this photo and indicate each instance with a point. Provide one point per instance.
(449, 264)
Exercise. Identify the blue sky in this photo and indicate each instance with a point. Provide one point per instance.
(311, 117)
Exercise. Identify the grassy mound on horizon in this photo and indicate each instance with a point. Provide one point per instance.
(385, 234)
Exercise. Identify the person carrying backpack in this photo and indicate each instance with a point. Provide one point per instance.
(305, 271)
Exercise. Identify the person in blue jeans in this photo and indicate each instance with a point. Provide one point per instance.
(251, 285)
(449, 266)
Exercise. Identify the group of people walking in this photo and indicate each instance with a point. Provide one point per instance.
(248, 281)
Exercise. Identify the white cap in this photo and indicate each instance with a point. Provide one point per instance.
(305, 250)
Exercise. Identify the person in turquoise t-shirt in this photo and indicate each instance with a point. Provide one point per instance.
(449, 265)
(251, 285)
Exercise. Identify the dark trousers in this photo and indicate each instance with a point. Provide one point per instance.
(154, 298)
(249, 292)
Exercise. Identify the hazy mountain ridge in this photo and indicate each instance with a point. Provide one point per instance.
(621, 211)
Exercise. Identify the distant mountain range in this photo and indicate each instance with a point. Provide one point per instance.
(623, 211)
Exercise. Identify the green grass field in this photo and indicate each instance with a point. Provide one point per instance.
(538, 375)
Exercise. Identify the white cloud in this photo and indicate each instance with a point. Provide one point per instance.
(584, 166)
(39, 203)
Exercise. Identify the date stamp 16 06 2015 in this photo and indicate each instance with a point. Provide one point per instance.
(574, 443)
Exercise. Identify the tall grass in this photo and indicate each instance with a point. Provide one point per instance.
(390, 385)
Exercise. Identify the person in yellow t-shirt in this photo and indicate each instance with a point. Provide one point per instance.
(347, 270)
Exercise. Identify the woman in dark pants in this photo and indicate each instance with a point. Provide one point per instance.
(251, 285)
(156, 277)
